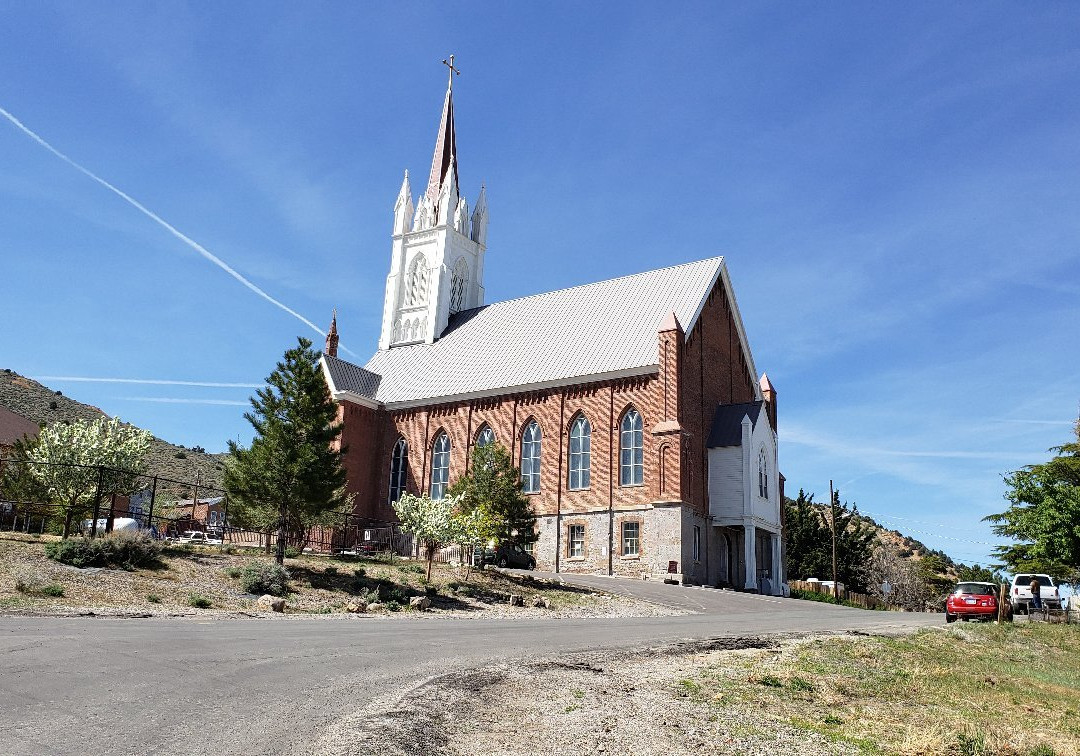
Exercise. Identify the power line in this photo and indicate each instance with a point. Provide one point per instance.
(933, 534)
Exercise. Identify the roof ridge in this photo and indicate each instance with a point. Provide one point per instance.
(603, 281)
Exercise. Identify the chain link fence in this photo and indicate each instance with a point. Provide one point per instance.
(93, 500)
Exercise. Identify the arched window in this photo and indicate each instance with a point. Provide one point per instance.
(580, 448)
(631, 450)
(457, 285)
(530, 458)
(440, 465)
(416, 285)
(763, 474)
(399, 468)
(485, 437)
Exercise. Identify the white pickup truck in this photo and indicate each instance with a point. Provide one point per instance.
(1020, 595)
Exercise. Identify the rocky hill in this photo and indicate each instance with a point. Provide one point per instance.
(905, 546)
(43, 406)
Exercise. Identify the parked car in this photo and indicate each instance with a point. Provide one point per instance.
(1020, 595)
(509, 554)
(972, 601)
(192, 536)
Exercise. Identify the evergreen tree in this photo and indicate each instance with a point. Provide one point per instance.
(492, 488)
(978, 574)
(855, 539)
(808, 540)
(1043, 515)
(292, 475)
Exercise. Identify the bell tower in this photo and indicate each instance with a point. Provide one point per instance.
(437, 255)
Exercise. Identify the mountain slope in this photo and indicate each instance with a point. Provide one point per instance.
(42, 405)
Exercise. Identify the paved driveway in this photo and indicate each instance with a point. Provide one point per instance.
(688, 598)
(186, 685)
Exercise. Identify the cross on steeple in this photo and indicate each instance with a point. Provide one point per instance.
(450, 64)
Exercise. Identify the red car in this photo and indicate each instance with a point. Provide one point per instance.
(972, 601)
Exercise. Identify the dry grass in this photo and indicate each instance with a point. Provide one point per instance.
(1009, 689)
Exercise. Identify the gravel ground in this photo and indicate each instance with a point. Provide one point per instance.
(598, 703)
(313, 590)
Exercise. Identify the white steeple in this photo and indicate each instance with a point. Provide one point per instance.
(437, 258)
(403, 208)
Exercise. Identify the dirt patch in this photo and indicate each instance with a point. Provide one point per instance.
(959, 690)
(31, 583)
(611, 702)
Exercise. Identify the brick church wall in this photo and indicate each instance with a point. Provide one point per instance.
(706, 369)
(358, 436)
(714, 371)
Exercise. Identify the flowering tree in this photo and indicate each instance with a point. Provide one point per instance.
(71, 461)
(435, 522)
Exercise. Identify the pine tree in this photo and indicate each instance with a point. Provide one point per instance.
(292, 475)
(855, 539)
(492, 487)
(808, 540)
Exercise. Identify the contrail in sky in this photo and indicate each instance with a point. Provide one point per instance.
(170, 400)
(147, 382)
(161, 222)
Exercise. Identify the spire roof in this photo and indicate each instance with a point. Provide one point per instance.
(332, 337)
(444, 161)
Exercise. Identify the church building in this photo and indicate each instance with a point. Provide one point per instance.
(645, 437)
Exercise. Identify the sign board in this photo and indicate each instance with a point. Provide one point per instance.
(673, 567)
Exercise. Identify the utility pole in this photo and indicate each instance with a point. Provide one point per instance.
(832, 511)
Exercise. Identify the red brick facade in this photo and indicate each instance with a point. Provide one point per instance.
(696, 371)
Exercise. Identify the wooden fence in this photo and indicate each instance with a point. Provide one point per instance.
(859, 599)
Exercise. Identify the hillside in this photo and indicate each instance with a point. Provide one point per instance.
(907, 547)
(42, 405)
(908, 560)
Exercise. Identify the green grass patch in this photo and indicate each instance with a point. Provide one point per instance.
(967, 689)
(199, 602)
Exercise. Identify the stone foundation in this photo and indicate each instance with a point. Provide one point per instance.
(665, 535)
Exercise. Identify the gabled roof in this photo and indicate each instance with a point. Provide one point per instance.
(726, 429)
(14, 426)
(592, 332)
(345, 376)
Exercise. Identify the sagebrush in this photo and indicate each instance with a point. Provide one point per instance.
(265, 577)
(126, 549)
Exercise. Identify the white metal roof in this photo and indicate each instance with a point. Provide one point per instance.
(593, 331)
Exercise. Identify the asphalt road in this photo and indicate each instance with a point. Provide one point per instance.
(272, 685)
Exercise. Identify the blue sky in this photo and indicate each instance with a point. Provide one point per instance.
(895, 189)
